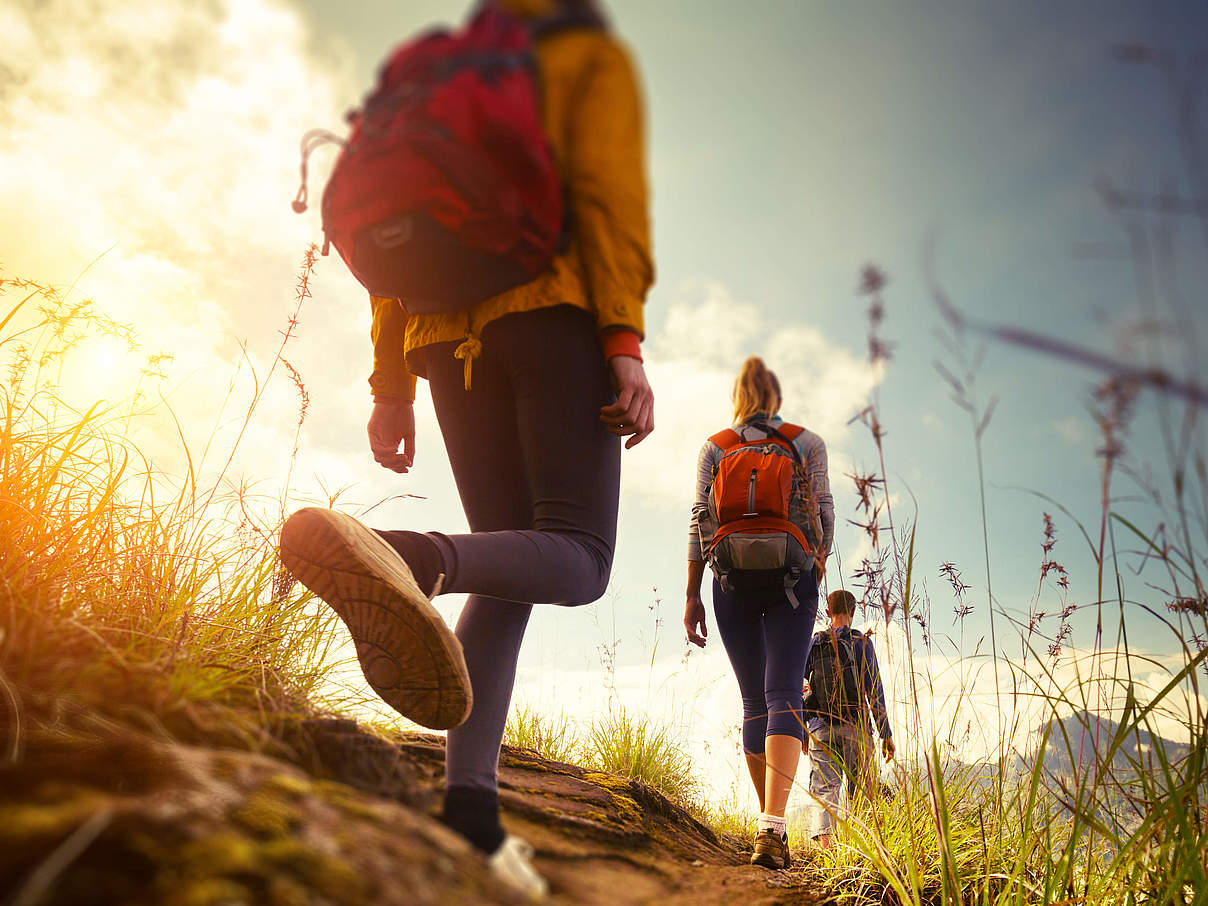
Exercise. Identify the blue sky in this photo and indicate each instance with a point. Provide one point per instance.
(790, 144)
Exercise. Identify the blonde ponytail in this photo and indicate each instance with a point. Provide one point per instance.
(756, 392)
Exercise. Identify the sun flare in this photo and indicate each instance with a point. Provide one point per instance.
(103, 367)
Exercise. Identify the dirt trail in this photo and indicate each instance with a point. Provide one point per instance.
(116, 817)
(603, 839)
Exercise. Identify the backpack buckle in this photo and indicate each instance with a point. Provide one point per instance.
(792, 576)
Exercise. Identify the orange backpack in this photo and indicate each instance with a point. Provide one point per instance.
(750, 503)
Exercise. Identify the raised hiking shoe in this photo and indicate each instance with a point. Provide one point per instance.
(407, 652)
(771, 850)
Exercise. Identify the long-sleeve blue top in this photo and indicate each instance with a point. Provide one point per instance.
(865, 660)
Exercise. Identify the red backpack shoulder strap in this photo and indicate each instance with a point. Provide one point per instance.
(726, 439)
(582, 18)
(790, 431)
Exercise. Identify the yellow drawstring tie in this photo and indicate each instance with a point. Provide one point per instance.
(469, 350)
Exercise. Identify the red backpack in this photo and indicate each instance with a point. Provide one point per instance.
(750, 504)
(445, 192)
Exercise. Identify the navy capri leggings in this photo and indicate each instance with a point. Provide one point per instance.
(767, 641)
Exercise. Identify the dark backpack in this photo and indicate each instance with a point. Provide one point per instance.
(834, 685)
(445, 192)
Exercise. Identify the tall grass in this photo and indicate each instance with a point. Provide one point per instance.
(120, 589)
(733, 821)
(1077, 798)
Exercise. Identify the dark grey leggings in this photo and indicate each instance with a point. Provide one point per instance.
(539, 479)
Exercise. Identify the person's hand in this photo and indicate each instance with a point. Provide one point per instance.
(888, 748)
(633, 412)
(392, 423)
(694, 616)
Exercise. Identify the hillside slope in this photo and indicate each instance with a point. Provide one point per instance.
(109, 815)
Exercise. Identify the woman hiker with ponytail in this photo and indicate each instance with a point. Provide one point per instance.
(533, 390)
(763, 519)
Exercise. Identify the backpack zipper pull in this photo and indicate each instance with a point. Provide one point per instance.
(751, 495)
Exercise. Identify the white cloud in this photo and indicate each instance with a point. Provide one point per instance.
(693, 362)
(164, 137)
(166, 134)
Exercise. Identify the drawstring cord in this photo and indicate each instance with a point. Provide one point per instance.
(468, 351)
(311, 140)
(470, 348)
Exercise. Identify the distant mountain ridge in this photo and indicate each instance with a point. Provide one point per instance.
(1081, 740)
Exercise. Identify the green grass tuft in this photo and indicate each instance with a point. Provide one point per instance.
(636, 747)
(553, 737)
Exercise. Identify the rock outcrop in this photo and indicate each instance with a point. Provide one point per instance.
(343, 818)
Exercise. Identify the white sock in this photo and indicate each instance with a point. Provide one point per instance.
(771, 822)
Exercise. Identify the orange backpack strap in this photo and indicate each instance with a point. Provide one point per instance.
(784, 435)
(726, 439)
(789, 434)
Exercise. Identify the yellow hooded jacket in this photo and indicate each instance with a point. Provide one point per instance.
(593, 117)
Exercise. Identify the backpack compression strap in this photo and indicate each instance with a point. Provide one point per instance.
(787, 434)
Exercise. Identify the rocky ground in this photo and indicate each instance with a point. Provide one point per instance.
(113, 817)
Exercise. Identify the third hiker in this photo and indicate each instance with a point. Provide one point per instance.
(844, 685)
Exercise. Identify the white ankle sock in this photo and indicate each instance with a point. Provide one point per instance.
(771, 822)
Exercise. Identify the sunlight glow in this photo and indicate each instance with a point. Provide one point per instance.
(101, 367)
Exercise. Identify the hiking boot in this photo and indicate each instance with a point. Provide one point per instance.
(771, 850)
(406, 650)
(512, 863)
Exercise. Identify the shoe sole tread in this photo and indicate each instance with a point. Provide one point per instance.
(406, 651)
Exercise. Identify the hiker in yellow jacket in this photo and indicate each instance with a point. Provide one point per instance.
(593, 119)
(533, 390)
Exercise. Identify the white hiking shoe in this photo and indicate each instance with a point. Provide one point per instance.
(512, 863)
(407, 652)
